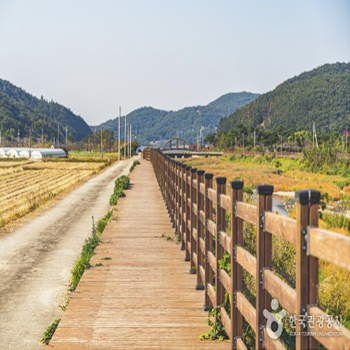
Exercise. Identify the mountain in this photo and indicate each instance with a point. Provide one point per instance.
(154, 125)
(20, 110)
(320, 96)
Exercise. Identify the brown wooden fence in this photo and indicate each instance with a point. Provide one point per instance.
(198, 212)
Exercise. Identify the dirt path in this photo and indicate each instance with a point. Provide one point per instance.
(36, 259)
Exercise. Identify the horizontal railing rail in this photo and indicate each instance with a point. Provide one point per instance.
(198, 214)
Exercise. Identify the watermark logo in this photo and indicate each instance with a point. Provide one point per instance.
(321, 325)
(274, 320)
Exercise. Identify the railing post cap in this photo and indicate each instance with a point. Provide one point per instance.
(208, 176)
(193, 170)
(308, 196)
(200, 172)
(266, 190)
(188, 167)
(180, 164)
(184, 165)
(220, 180)
(236, 184)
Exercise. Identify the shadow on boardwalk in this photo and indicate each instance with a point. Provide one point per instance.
(143, 296)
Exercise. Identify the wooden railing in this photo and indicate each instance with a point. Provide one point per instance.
(197, 213)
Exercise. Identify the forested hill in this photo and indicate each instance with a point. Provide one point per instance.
(320, 96)
(20, 110)
(157, 125)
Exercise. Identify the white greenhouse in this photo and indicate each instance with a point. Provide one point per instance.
(48, 153)
(3, 152)
(34, 153)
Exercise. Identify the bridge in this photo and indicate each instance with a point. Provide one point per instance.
(144, 291)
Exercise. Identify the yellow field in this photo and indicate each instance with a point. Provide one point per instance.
(26, 186)
(255, 174)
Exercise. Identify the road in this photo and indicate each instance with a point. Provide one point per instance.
(36, 259)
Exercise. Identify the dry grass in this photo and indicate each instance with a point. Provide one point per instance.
(255, 174)
(27, 187)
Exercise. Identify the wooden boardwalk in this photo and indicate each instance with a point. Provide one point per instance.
(143, 297)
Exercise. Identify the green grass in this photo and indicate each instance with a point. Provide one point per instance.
(50, 331)
(88, 250)
(136, 162)
(120, 185)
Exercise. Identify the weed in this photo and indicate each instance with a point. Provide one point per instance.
(136, 162)
(120, 185)
(99, 264)
(50, 331)
(107, 258)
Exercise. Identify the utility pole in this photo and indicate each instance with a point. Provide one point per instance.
(254, 138)
(58, 135)
(125, 138)
(30, 141)
(42, 136)
(314, 136)
(17, 137)
(120, 115)
(101, 144)
(66, 135)
(0, 132)
(130, 141)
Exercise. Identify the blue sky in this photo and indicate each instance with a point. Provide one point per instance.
(93, 56)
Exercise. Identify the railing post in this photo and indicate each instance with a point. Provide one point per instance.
(307, 202)
(236, 269)
(263, 259)
(208, 182)
(219, 250)
(173, 193)
(193, 196)
(183, 207)
(188, 214)
(178, 206)
(200, 206)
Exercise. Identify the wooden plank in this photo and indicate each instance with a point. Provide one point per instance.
(194, 208)
(212, 261)
(194, 183)
(212, 227)
(225, 241)
(202, 216)
(212, 195)
(246, 212)
(246, 260)
(211, 293)
(225, 280)
(189, 202)
(280, 290)
(339, 341)
(195, 234)
(240, 344)
(202, 274)
(225, 320)
(147, 302)
(330, 246)
(272, 344)
(202, 188)
(225, 202)
(281, 227)
(194, 257)
(202, 245)
(189, 225)
(246, 309)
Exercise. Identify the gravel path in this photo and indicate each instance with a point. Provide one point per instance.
(36, 259)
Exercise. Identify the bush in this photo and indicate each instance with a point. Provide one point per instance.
(136, 162)
(120, 185)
